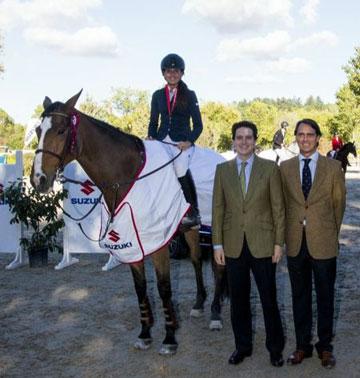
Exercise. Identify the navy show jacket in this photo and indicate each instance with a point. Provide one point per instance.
(178, 128)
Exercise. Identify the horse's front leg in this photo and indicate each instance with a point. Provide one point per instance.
(220, 291)
(192, 238)
(146, 317)
(161, 261)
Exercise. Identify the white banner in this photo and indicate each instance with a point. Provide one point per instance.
(10, 233)
(30, 131)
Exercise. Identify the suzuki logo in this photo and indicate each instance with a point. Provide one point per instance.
(114, 236)
(87, 187)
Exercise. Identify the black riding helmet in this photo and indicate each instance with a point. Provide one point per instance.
(173, 61)
(284, 124)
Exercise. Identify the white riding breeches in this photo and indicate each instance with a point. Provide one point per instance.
(182, 162)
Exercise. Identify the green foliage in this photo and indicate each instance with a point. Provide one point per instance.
(11, 134)
(218, 119)
(264, 116)
(93, 109)
(348, 115)
(353, 74)
(130, 110)
(38, 212)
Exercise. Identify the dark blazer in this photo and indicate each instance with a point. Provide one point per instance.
(261, 215)
(178, 128)
(278, 139)
(323, 209)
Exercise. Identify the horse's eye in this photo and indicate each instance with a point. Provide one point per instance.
(61, 131)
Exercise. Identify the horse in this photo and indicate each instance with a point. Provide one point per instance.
(281, 154)
(111, 157)
(343, 153)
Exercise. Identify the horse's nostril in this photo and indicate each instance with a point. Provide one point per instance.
(42, 180)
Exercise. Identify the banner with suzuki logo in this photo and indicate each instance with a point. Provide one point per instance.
(81, 198)
(10, 233)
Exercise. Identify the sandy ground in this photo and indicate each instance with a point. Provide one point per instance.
(82, 322)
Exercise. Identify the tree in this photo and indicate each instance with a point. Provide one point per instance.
(1, 49)
(130, 110)
(347, 119)
(93, 109)
(352, 71)
(11, 134)
(217, 120)
(264, 116)
(348, 116)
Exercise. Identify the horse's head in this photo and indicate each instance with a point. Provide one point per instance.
(56, 142)
(352, 148)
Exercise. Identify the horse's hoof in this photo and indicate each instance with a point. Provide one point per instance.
(142, 344)
(168, 349)
(215, 325)
(196, 312)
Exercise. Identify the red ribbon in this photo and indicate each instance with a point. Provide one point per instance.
(74, 123)
(170, 105)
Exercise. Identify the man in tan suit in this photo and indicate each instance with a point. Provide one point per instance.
(248, 234)
(314, 189)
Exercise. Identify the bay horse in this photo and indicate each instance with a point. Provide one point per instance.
(343, 153)
(109, 157)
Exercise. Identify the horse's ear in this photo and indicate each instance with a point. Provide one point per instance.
(47, 102)
(71, 102)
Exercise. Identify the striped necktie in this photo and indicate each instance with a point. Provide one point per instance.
(243, 178)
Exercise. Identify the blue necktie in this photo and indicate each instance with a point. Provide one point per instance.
(306, 178)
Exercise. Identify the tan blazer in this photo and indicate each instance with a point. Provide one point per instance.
(261, 216)
(323, 210)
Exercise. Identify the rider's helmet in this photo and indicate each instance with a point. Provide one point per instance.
(284, 124)
(173, 61)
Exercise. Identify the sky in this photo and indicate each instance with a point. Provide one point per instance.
(233, 49)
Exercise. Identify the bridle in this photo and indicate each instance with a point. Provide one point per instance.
(44, 151)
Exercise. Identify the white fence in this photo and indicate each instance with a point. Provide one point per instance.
(10, 233)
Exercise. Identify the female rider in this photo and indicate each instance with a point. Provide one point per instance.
(175, 104)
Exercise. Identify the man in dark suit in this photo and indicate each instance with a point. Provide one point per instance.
(279, 136)
(314, 189)
(248, 225)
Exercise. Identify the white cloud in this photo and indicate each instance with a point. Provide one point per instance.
(292, 65)
(38, 13)
(257, 78)
(270, 46)
(240, 15)
(90, 41)
(316, 39)
(63, 25)
(309, 10)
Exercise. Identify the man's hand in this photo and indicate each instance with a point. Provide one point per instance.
(184, 145)
(219, 256)
(276, 257)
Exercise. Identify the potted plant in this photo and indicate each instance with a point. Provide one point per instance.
(39, 214)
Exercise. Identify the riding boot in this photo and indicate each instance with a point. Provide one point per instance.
(192, 218)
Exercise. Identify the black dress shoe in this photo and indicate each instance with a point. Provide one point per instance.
(238, 357)
(276, 359)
